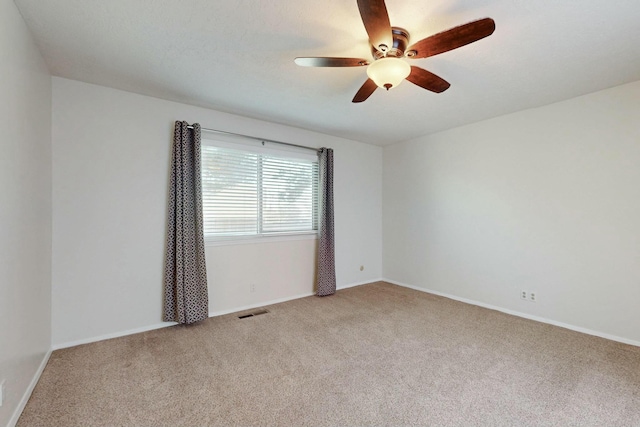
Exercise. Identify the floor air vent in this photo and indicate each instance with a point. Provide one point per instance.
(255, 313)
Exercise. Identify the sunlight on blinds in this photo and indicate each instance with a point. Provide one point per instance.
(249, 193)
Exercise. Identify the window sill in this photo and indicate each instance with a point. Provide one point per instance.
(243, 240)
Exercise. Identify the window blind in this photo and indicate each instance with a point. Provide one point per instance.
(257, 193)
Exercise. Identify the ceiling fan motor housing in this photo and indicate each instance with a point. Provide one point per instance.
(400, 43)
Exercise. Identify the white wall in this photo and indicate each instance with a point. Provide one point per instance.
(544, 200)
(25, 210)
(111, 154)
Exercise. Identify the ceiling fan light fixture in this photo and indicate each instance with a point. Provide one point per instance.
(388, 72)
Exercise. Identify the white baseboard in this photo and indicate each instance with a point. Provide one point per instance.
(285, 299)
(520, 314)
(211, 314)
(27, 394)
(259, 304)
(351, 285)
(113, 335)
(167, 324)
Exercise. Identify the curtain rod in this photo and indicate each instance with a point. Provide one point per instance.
(255, 139)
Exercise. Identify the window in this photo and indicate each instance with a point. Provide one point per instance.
(252, 191)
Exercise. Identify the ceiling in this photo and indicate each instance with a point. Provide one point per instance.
(237, 56)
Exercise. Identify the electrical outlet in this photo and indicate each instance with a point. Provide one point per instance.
(528, 296)
(523, 295)
(532, 297)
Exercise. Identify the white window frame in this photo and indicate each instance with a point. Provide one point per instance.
(246, 144)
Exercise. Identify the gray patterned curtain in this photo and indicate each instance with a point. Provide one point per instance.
(326, 277)
(186, 298)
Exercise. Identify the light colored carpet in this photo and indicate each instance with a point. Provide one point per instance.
(376, 354)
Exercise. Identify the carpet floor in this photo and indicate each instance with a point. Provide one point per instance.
(376, 354)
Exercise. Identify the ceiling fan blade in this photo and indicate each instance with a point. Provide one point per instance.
(427, 80)
(452, 39)
(376, 22)
(365, 91)
(331, 62)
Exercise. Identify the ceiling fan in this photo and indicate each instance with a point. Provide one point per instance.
(390, 44)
